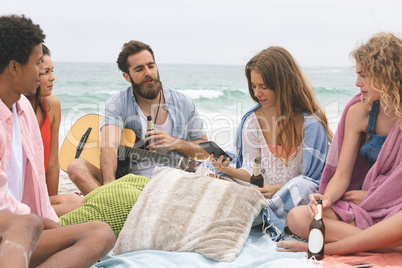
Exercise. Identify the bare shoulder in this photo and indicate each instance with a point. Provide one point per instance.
(54, 109)
(53, 100)
(53, 104)
(357, 117)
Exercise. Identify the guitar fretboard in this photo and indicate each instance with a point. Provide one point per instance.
(164, 159)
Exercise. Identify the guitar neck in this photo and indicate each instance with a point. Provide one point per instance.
(141, 154)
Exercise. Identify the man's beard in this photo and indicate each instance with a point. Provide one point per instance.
(149, 92)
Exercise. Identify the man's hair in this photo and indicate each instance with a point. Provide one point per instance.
(130, 48)
(18, 36)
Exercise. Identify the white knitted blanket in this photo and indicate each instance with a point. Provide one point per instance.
(181, 211)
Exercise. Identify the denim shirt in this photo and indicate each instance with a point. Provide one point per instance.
(121, 110)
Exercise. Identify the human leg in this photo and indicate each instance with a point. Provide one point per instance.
(299, 220)
(335, 230)
(79, 245)
(19, 236)
(86, 176)
(385, 236)
(65, 203)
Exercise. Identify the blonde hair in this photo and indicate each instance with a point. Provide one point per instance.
(294, 95)
(381, 60)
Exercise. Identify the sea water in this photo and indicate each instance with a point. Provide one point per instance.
(219, 92)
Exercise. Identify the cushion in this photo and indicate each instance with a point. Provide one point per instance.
(181, 211)
(110, 203)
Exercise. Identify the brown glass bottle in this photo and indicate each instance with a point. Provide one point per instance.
(150, 127)
(316, 237)
(257, 178)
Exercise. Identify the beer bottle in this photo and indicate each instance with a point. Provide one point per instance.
(316, 237)
(257, 178)
(150, 127)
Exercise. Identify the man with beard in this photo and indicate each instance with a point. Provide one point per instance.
(177, 127)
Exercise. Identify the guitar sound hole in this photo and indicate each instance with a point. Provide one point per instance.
(125, 166)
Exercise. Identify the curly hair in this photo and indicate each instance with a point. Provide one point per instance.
(293, 93)
(381, 60)
(18, 36)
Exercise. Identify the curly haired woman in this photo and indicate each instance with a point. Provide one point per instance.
(361, 183)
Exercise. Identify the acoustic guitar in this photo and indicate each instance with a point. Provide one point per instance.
(84, 141)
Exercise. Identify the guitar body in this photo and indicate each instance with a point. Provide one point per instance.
(91, 148)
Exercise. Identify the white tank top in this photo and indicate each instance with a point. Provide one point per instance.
(145, 168)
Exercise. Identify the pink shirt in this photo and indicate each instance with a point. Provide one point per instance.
(35, 197)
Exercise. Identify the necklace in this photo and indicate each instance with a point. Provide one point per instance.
(159, 105)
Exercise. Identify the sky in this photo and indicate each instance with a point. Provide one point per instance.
(228, 32)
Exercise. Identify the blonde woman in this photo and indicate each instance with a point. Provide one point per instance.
(361, 183)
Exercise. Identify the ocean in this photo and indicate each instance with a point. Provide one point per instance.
(219, 92)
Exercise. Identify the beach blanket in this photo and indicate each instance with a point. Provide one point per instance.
(383, 181)
(258, 251)
(296, 191)
(378, 260)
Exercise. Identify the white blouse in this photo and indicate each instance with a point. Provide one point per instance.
(273, 169)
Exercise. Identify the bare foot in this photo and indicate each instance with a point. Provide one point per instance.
(292, 246)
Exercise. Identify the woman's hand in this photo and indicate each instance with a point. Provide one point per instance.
(269, 190)
(355, 197)
(219, 165)
(312, 206)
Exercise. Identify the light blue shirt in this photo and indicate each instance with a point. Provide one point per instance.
(121, 110)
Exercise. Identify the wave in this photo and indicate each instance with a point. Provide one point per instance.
(324, 70)
(227, 102)
(199, 94)
(210, 94)
(329, 90)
